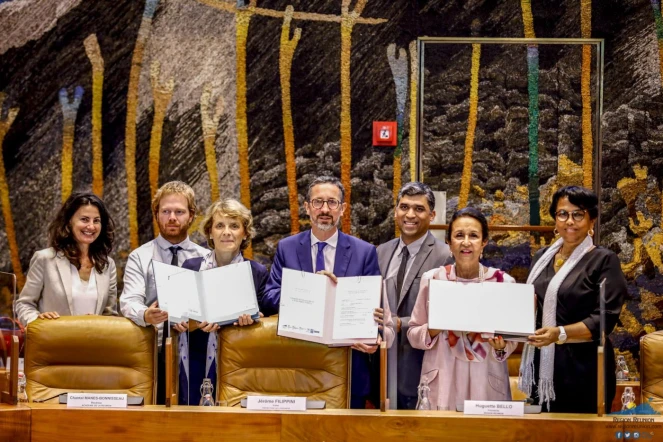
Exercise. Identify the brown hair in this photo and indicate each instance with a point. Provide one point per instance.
(61, 238)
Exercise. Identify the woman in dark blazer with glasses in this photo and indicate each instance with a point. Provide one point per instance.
(559, 363)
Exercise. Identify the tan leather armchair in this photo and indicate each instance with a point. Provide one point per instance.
(255, 361)
(92, 354)
(651, 370)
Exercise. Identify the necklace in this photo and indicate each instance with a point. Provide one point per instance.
(559, 260)
(481, 274)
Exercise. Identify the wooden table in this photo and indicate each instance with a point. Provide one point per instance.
(14, 423)
(41, 422)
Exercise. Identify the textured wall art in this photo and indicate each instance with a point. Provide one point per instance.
(253, 99)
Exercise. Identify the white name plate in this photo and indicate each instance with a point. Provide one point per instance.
(494, 408)
(278, 403)
(96, 400)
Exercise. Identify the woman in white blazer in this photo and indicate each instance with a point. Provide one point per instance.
(75, 275)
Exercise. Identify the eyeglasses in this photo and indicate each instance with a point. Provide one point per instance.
(332, 203)
(577, 215)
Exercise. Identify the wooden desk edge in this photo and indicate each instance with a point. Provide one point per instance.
(43, 421)
(340, 412)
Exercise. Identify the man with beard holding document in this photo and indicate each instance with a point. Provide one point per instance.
(174, 208)
(324, 249)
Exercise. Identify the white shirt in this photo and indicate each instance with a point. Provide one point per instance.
(139, 287)
(329, 251)
(395, 263)
(83, 293)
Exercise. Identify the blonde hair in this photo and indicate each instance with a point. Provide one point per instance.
(178, 188)
(232, 209)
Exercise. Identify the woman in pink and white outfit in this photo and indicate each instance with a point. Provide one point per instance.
(461, 365)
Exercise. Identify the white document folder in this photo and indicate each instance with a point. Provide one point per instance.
(504, 309)
(219, 295)
(313, 308)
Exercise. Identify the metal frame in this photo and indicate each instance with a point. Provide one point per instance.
(600, 50)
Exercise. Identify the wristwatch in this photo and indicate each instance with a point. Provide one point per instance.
(562, 335)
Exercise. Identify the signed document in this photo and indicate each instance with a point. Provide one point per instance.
(492, 308)
(315, 309)
(219, 295)
(356, 300)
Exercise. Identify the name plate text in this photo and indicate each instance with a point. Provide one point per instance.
(278, 403)
(96, 400)
(494, 408)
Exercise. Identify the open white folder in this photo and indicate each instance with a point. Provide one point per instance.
(504, 309)
(218, 295)
(314, 309)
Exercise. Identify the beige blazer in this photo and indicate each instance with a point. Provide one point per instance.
(48, 288)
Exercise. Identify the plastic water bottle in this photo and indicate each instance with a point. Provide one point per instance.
(206, 397)
(22, 393)
(423, 403)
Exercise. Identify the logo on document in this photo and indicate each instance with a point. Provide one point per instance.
(636, 435)
(618, 435)
(627, 434)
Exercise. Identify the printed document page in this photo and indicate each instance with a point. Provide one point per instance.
(302, 308)
(175, 287)
(227, 292)
(356, 300)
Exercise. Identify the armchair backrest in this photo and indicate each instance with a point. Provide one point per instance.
(103, 354)
(651, 370)
(253, 360)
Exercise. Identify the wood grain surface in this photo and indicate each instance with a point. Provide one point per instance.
(14, 423)
(45, 422)
(447, 426)
(152, 422)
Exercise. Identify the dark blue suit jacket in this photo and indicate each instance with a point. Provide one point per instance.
(354, 257)
(260, 276)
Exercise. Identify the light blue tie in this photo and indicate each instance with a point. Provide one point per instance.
(320, 259)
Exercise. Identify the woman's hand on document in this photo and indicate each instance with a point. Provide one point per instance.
(246, 320)
(207, 327)
(497, 343)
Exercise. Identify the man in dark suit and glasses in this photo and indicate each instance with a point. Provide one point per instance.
(402, 262)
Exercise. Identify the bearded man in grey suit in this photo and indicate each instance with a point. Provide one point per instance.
(402, 262)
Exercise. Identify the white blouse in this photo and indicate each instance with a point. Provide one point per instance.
(83, 293)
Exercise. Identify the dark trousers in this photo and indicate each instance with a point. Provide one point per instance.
(189, 389)
(161, 377)
(358, 402)
(407, 402)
